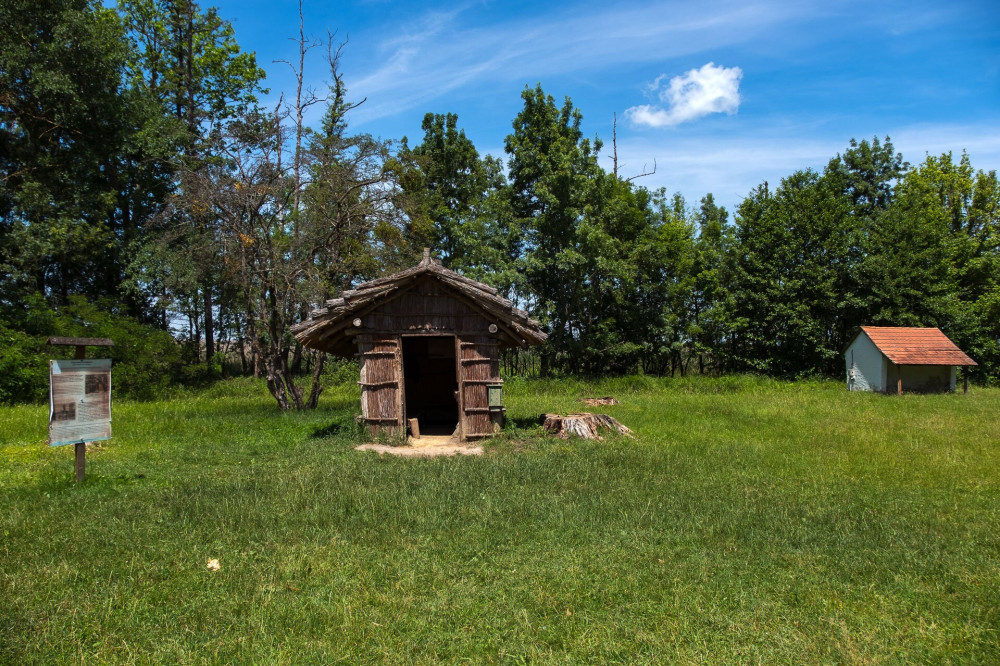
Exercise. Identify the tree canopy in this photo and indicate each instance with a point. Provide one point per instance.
(145, 188)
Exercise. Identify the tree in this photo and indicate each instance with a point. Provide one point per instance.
(788, 259)
(551, 167)
(934, 257)
(708, 289)
(664, 264)
(870, 172)
(66, 125)
(288, 252)
(447, 191)
(188, 60)
(353, 230)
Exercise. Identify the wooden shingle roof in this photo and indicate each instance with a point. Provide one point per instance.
(905, 345)
(327, 328)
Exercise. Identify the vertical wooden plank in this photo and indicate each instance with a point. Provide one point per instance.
(381, 372)
(463, 426)
(81, 460)
(364, 346)
(480, 365)
(398, 375)
(80, 448)
(965, 379)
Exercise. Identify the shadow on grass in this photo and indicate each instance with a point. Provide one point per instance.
(525, 422)
(331, 430)
(340, 427)
(58, 481)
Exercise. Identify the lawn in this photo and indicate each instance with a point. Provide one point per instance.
(748, 521)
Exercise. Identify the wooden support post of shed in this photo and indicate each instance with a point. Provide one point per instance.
(80, 448)
(965, 379)
(81, 344)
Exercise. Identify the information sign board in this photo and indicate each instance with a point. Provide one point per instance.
(79, 401)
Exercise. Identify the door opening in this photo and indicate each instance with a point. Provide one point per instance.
(431, 384)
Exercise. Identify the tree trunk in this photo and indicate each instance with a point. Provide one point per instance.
(243, 356)
(317, 386)
(209, 329)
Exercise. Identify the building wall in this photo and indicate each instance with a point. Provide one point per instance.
(426, 308)
(867, 363)
(927, 377)
(381, 378)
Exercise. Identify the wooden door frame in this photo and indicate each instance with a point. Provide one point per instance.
(458, 376)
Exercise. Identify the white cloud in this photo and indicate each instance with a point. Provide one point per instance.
(699, 92)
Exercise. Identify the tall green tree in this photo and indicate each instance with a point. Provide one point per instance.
(551, 167)
(708, 288)
(934, 257)
(352, 223)
(448, 189)
(67, 123)
(788, 258)
(188, 60)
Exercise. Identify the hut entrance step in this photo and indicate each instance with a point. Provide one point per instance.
(430, 383)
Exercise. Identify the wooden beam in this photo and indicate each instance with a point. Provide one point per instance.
(76, 342)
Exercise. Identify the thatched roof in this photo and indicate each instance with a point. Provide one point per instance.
(332, 327)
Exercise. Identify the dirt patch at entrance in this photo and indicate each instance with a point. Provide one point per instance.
(425, 447)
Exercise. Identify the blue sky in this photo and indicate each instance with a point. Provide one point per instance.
(721, 95)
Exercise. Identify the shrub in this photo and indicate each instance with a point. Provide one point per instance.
(24, 368)
(145, 360)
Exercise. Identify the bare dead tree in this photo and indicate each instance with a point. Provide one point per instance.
(614, 142)
(304, 99)
(614, 154)
(643, 174)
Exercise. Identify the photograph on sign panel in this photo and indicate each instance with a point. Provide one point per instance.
(96, 383)
(64, 411)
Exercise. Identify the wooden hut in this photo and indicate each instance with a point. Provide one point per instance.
(428, 340)
(889, 358)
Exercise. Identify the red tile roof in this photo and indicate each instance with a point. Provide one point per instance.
(916, 346)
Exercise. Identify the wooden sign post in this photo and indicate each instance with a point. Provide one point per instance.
(79, 398)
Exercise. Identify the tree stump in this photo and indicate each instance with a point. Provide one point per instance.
(582, 425)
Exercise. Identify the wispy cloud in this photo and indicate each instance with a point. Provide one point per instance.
(446, 52)
(699, 92)
(730, 166)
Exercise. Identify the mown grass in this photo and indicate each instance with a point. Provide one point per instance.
(748, 521)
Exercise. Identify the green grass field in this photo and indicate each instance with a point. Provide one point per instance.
(749, 521)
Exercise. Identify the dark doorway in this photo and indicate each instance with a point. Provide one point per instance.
(431, 383)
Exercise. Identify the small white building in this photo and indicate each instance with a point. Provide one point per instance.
(892, 359)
